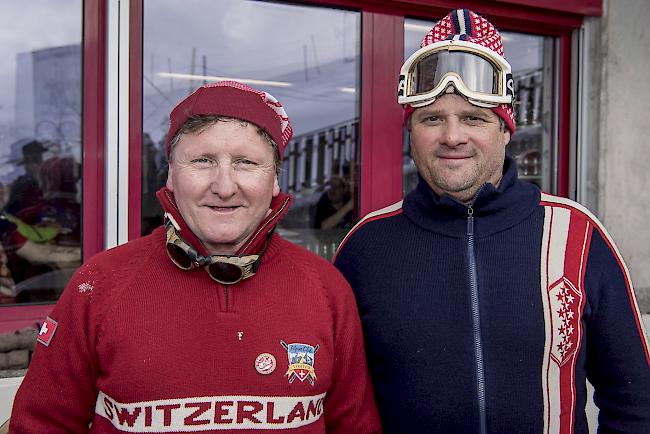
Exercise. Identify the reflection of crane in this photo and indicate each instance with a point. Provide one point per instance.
(346, 58)
(171, 79)
(313, 46)
(191, 87)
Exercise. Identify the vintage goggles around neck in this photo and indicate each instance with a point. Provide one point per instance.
(225, 269)
(479, 74)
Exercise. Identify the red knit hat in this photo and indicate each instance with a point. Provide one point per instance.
(465, 25)
(236, 100)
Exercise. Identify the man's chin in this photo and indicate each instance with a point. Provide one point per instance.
(223, 245)
(458, 189)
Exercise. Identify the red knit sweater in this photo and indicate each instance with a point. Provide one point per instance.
(142, 346)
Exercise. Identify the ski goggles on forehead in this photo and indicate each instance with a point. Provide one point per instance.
(476, 72)
(225, 269)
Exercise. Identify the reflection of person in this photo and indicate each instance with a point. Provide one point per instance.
(335, 207)
(59, 177)
(25, 191)
(192, 327)
(45, 236)
(487, 305)
(4, 194)
(59, 213)
(21, 225)
(153, 177)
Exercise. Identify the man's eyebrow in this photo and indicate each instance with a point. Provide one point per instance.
(193, 154)
(430, 112)
(474, 113)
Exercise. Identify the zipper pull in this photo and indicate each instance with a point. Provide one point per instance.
(470, 221)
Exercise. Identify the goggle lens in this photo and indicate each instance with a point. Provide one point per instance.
(179, 257)
(477, 74)
(225, 273)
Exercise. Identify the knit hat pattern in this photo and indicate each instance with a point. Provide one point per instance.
(479, 31)
(236, 100)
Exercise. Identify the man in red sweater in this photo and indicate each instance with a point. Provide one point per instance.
(212, 322)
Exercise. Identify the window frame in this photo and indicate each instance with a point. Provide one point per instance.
(381, 130)
(380, 118)
(93, 155)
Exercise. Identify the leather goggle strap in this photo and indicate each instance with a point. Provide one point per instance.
(247, 264)
(168, 204)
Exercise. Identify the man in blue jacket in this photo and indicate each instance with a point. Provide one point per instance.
(487, 304)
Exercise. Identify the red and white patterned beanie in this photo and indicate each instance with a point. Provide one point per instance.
(467, 26)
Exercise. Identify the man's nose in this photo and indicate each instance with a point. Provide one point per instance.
(454, 134)
(224, 181)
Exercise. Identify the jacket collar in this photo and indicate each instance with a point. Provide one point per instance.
(494, 209)
(279, 207)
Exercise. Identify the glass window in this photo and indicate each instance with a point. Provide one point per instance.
(40, 149)
(307, 57)
(529, 56)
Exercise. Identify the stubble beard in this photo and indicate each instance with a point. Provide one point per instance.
(460, 183)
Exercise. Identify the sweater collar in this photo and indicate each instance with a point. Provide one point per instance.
(279, 207)
(494, 209)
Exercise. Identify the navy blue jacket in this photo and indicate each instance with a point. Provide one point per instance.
(489, 318)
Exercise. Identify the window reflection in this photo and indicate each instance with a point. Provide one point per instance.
(531, 144)
(309, 62)
(40, 150)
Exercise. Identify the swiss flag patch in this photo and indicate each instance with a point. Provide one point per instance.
(47, 331)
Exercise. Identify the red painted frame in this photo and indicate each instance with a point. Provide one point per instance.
(382, 55)
(135, 118)
(93, 156)
(564, 116)
(381, 183)
(530, 16)
(94, 126)
(382, 51)
(381, 131)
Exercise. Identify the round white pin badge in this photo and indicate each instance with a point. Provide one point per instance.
(265, 363)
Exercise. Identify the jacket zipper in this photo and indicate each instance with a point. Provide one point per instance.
(476, 320)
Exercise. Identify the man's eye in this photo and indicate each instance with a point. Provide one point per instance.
(201, 161)
(247, 162)
(475, 119)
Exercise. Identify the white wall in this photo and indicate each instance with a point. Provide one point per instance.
(8, 388)
(624, 163)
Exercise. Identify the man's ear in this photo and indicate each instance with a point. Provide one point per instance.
(170, 183)
(276, 185)
(506, 137)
